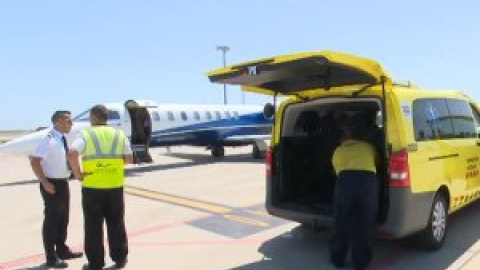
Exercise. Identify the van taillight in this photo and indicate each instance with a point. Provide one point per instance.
(268, 162)
(398, 169)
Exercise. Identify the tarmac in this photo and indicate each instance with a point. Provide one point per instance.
(188, 210)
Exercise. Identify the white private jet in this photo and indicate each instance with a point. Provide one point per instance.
(148, 124)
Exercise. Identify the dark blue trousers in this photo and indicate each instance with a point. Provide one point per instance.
(99, 206)
(355, 208)
(56, 217)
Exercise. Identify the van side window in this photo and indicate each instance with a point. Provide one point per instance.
(208, 115)
(217, 114)
(476, 116)
(462, 118)
(431, 120)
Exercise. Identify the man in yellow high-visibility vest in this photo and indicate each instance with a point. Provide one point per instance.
(104, 152)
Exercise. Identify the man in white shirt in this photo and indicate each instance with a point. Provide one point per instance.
(50, 166)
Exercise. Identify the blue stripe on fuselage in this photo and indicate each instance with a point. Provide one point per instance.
(213, 132)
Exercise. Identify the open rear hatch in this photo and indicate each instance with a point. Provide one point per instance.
(293, 74)
(304, 184)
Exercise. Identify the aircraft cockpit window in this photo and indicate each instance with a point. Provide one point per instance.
(170, 116)
(196, 115)
(113, 115)
(83, 117)
(208, 115)
(184, 116)
(156, 116)
(218, 115)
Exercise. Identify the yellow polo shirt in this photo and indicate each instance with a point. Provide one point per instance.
(354, 155)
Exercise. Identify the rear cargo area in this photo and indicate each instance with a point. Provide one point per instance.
(310, 133)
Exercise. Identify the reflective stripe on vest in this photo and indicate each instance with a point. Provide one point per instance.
(103, 161)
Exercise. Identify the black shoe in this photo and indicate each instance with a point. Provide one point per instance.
(57, 264)
(120, 265)
(70, 255)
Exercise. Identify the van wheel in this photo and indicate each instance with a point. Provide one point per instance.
(433, 236)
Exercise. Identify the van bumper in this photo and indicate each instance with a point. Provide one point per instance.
(300, 216)
(407, 213)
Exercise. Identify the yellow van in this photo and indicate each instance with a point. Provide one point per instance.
(428, 140)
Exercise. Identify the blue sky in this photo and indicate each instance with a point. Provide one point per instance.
(73, 54)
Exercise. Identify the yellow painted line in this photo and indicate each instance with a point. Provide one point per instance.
(177, 200)
(258, 213)
(246, 220)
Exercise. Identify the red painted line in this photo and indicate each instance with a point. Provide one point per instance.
(39, 258)
(27, 261)
(157, 228)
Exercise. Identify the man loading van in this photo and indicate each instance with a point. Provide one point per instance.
(355, 196)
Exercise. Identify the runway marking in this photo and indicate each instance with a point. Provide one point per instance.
(246, 220)
(227, 221)
(37, 259)
(199, 205)
(258, 212)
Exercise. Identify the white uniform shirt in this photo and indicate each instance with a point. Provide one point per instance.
(79, 145)
(53, 155)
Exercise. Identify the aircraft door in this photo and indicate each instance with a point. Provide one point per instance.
(141, 130)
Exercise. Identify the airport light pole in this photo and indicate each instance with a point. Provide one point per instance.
(224, 49)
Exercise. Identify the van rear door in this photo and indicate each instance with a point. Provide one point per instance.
(296, 73)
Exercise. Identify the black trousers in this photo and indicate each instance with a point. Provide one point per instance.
(355, 208)
(107, 205)
(56, 217)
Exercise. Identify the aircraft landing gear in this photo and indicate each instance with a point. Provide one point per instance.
(258, 149)
(218, 151)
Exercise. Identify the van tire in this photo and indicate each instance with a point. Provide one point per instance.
(433, 236)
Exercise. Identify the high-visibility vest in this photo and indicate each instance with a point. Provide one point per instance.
(102, 159)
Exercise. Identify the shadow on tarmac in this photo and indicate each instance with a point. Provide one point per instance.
(191, 160)
(301, 248)
(239, 158)
(20, 183)
(43, 266)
